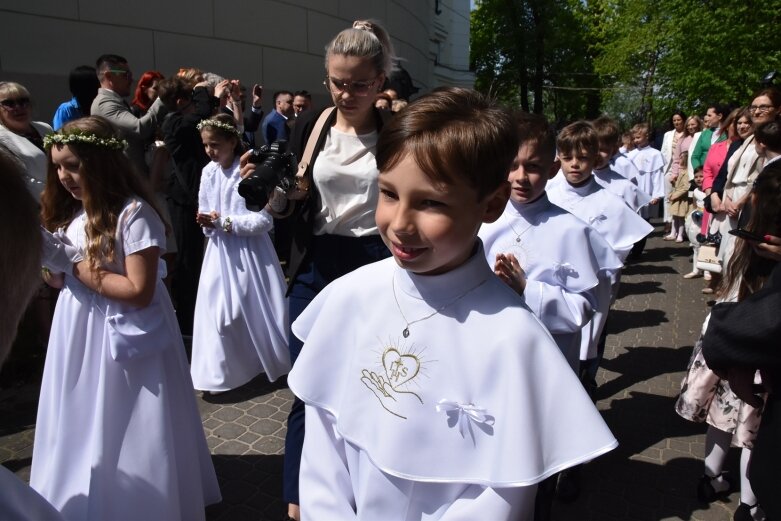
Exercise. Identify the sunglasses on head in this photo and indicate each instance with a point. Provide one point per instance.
(15, 103)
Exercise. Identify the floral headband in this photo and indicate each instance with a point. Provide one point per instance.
(81, 137)
(218, 124)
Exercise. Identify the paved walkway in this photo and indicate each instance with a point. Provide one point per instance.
(651, 476)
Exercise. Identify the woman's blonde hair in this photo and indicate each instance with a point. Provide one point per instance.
(365, 39)
(10, 89)
(108, 181)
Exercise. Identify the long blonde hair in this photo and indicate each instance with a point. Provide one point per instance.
(108, 181)
(365, 39)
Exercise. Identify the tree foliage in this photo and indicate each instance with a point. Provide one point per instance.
(633, 59)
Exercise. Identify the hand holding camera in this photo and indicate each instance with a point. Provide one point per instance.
(268, 171)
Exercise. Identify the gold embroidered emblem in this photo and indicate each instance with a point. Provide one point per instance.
(390, 389)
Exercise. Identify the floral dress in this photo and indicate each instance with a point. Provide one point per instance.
(707, 398)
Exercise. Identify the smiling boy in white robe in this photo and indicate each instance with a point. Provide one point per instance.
(432, 391)
(551, 257)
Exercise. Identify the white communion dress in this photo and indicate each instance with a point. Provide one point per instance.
(564, 261)
(458, 419)
(118, 435)
(240, 327)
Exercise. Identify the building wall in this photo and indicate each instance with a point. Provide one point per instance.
(279, 44)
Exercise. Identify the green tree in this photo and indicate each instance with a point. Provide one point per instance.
(531, 54)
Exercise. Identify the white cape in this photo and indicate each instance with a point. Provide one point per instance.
(564, 260)
(473, 396)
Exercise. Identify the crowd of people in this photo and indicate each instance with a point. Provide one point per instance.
(391, 241)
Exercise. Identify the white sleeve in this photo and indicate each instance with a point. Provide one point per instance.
(251, 223)
(324, 482)
(657, 183)
(204, 205)
(142, 228)
(561, 311)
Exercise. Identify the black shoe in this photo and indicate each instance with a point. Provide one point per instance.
(743, 512)
(707, 493)
(568, 486)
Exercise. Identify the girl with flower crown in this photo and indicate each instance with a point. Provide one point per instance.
(118, 434)
(240, 327)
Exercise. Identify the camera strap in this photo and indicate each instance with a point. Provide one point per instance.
(309, 150)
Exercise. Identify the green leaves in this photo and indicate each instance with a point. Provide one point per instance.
(632, 59)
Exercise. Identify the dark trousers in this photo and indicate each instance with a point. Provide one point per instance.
(330, 257)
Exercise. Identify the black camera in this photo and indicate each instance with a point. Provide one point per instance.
(274, 169)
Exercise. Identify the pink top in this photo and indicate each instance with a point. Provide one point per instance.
(681, 147)
(713, 161)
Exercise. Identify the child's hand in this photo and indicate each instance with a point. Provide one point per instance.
(206, 220)
(509, 270)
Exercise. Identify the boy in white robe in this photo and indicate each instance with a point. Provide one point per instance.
(622, 183)
(432, 391)
(650, 164)
(577, 191)
(552, 258)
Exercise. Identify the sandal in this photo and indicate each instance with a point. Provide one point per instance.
(707, 493)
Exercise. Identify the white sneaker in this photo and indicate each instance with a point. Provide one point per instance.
(693, 275)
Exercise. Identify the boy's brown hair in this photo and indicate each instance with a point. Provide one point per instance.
(641, 127)
(535, 129)
(608, 132)
(578, 136)
(452, 133)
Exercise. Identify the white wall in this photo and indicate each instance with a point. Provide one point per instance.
(276, 43)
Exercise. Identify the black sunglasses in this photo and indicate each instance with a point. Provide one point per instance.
(21, 103)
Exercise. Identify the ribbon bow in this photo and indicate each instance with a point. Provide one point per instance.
(562, 270)
(464, 415)
(596, 218)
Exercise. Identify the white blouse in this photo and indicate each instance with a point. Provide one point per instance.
(345, 174)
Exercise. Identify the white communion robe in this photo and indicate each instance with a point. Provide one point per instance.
(458, 421)
(650, 164)
(241, 313)
(616, 223)
(564, 260)
(619, 185)
(118, 435)
(624, 166)
(19, 502)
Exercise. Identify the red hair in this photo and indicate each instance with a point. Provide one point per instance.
(141, 100)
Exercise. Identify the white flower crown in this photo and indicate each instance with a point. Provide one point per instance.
(218, 124)
(83, 138)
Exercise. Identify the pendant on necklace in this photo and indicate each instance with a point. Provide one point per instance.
(405, 333)
(517, 239)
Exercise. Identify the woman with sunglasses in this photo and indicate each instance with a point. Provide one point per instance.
(332, 231)
(23, 136)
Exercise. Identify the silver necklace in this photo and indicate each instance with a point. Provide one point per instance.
(405, 331)
(517, 235)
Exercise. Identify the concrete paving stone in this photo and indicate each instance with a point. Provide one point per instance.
(211, 423)
(266, 427)
(238, 491)
(249, 438)
(246, 420)
(227, 414)
(213, 442)
(231, 447)
(281, 416)
(261, 410)
(269, 445)
(229, 431)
